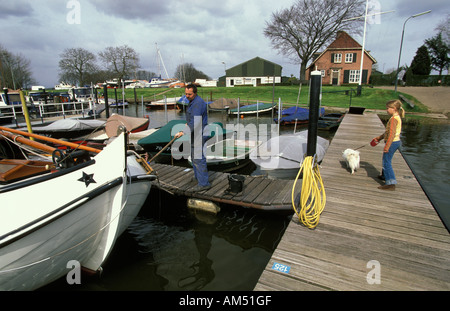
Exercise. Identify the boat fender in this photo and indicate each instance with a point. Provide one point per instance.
(203, 205)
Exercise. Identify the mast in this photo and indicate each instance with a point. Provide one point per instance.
(160, 61)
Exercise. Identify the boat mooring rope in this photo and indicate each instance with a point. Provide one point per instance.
(312, 198)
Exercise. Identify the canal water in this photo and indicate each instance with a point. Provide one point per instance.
(169, 248)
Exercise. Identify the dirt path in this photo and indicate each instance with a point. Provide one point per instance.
(436, 98)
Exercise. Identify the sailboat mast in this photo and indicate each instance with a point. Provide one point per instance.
(160, 61)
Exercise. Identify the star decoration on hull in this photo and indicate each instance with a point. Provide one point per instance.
(87, 179)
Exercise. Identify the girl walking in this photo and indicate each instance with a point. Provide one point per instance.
(392, 142)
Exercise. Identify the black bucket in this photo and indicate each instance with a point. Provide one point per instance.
(235, 183)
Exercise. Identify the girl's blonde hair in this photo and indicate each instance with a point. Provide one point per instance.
(397, 105)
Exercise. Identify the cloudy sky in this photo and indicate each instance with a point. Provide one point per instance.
(205, 33)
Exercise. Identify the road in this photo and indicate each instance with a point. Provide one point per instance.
(436, 98)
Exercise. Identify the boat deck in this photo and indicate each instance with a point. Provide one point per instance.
(258, 192)
(367, 239)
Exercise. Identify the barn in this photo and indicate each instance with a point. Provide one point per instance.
(256, 71)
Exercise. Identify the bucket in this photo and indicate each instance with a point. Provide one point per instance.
(236, 183)
(374, 142)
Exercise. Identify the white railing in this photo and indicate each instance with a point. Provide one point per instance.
(42, 110)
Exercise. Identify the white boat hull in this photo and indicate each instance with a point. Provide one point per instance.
(46, 225)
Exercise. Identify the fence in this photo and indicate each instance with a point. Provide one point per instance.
(411, 80)
(41, 110)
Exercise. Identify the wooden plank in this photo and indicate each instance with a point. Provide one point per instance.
(361, 223)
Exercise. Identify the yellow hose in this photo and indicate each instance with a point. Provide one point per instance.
(312, 198)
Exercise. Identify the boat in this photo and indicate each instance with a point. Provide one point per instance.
(296, 115)
(70, 127)
(156, 141)
(282, 156)
(132, 124)
(223, 104)
(80, 94)
(61, 214)
(63, 86)
(118, 104)
(136, 84)
(167, 103)
(158, 82)
(229, 155)
(330, 121)
(98, 138)
(252, 109)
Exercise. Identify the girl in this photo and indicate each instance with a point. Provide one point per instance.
(392, 142)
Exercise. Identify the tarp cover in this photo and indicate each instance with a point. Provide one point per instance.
(70, 125)
(130, 123)
(297, 113)
(286, 151)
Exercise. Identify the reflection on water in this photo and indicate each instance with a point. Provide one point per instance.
(169, 248)
(425, 147)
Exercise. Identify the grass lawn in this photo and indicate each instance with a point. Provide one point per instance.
(332, 96)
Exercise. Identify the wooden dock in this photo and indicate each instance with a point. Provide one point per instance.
(258, 192)
(367, 239)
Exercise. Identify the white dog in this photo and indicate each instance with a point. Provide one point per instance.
(352, 158)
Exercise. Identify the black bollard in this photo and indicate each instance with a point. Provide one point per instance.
(105, 93)
(314, 106)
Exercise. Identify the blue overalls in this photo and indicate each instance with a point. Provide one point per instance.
(197, 120)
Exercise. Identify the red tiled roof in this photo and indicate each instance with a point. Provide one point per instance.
(344, 41)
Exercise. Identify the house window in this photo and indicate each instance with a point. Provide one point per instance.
(323, 73)
(354, 76)
(337, 58)
(349, 57)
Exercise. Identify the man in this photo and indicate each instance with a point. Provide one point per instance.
(197, 120)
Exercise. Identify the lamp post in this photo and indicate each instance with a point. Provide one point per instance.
(401, 44)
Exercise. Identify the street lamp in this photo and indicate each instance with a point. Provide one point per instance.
(401, 44)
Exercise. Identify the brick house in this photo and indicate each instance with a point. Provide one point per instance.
(340, 63)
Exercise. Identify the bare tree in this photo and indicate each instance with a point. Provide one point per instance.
(15, 70)
(122, 61)
(308, 25)
(76, 65)
(186, 72)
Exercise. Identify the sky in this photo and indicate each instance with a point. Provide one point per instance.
(212, 35)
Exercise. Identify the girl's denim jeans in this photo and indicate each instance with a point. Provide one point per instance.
(388, 172)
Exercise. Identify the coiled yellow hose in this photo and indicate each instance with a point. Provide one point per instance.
(313, 197)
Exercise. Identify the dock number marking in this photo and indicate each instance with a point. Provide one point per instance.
(280, 267)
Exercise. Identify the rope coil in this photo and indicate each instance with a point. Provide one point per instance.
(313, 197)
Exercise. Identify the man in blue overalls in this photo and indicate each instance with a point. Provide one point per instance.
(197, 120)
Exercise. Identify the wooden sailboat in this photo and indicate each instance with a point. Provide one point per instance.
(50, 216)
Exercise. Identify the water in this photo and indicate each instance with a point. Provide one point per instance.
(169, 248)
(426, 148)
